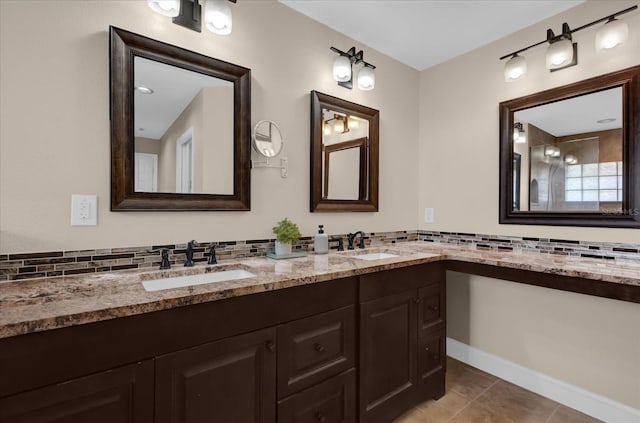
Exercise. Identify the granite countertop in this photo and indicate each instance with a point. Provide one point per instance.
(43, 304)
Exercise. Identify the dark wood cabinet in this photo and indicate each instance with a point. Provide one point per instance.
(122, 395)
(332, 401)
(232, 380)
(402, 341)
(316, 348)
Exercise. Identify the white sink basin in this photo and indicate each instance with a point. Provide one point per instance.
(201, 279)
(375, 256)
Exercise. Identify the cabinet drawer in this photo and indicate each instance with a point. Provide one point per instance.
(332, 401)
(432, 356)
(432, 307)
(314, 349)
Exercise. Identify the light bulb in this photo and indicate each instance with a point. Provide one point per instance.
(570, 159)
(217, 17)
(516, 133)
(366, 79)
(342, 69)
(522, 138)
(559, 54)
(353, 123)
(169, 8)
(613, 33)
(515, 68)
(327, 129)
(338, 125)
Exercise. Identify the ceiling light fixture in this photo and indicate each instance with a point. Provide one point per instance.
(562, 51)
(343, 69)
(144, 90)
(187, 13)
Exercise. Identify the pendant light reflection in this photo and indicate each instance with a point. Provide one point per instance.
(612, 34)
(217, 17)
(515, 68)
(519, 136)
(169, 8)
(570, 159)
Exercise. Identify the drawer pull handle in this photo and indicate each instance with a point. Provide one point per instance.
(271, 346)
(319, 347)
(320, 417)
(433, 307)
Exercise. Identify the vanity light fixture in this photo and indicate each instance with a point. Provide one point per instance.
(169, 8)
(570, 159)
(563, 52)
(187, 13)
(343, 69)
(551, 151)
(519, 136)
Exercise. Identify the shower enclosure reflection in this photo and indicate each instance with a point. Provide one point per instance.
(571, 154)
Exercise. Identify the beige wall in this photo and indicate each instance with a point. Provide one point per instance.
(147, 145)
(587, 341)
(591, 342)
(54, 133)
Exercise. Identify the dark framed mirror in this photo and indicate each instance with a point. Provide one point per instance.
(180, 128)
(570, 156)
(344, 155)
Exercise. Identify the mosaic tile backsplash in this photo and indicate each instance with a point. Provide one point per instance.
(60, 263)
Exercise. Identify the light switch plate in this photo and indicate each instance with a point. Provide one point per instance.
(428, 215)
(84, 210)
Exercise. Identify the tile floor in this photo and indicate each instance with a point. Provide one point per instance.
(473, 396)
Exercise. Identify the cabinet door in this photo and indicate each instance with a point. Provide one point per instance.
(388, 348)
(332, 401)
(231, 380)
(313, 349)
(431, 310)
(122, 395)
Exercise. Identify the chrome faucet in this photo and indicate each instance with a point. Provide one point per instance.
(352, 237)
(189, 253)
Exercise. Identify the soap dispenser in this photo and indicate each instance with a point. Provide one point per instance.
(321, 241)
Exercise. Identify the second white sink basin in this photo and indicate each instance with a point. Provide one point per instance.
(201, 279)
(375, 256)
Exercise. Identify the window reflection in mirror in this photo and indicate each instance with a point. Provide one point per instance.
(345, 143)
(184, 130)
(571, 154)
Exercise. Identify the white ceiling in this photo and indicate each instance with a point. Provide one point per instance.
(423, 33)
(173, 89)
(576, 115)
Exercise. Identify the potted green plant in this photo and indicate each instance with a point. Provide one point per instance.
(287, 233)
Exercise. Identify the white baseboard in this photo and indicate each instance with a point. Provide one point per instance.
(570, 395)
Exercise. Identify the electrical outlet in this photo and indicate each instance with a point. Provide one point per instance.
(84, 210)
(428, 215)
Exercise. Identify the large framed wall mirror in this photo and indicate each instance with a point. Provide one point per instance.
(344, 155)
(571, 155)
(180, 128)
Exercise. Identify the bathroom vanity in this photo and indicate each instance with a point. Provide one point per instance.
(318, 339)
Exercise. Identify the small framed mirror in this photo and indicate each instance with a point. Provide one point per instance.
(180, 128)
(344, 155)
(571, 155)
(267, 139)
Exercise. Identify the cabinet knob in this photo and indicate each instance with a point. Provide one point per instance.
(271, 346)
(433, 307)
(318, 347)
(418, 300)
(320, 417)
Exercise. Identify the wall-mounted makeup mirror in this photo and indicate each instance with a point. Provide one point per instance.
(571, 155)
(344, 155)
(267, 139)
(179, 128)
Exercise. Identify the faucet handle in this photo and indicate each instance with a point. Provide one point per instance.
(340, 243)
(212, 255)
(164, 264)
